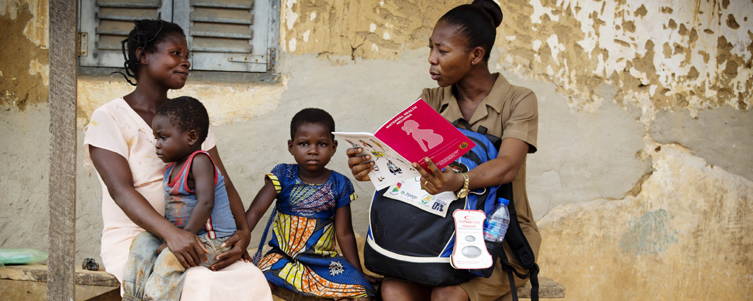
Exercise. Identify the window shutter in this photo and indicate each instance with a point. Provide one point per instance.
(107, 22)
(223, 35)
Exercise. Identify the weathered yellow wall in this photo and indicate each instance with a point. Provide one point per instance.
(676, 54)
(24, 124)
(359, 29)
(643, 177)
(664, 54)
(225, 102)
(685, 236)
(23, 48)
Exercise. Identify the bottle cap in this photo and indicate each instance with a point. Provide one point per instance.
(504, 201)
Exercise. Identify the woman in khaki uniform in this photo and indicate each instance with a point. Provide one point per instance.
(460, 46)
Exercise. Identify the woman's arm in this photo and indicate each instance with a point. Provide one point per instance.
(502, 170)
(347, 240)
(116, 174)
(241, 238)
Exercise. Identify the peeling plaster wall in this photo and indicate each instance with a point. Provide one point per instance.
(642, 179)
(24, 72)
(686, 236)
(358, 29)
(661, 54)
(225, 102)
(24, 124)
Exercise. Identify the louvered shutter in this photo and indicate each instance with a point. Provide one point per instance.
(225, 35)
(107, 22)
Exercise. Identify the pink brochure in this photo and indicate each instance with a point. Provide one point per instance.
(411, 135)
(419, 131)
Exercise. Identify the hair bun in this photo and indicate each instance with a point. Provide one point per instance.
(492, 8)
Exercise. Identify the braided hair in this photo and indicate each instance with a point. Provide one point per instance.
(146, 34)
(478, 22)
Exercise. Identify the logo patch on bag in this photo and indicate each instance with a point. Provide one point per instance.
(411, 192)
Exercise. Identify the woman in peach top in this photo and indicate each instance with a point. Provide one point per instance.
(119, 143)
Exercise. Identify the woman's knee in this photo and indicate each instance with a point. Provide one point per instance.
(394, 289)
(453, 292)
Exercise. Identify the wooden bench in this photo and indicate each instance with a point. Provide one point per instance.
(548, 288)
(29, 282)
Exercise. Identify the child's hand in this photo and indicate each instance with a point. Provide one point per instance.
(161, 247)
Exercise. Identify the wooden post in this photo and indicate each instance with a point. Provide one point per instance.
(63, 70)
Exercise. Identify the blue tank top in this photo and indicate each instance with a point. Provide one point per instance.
(180, 200)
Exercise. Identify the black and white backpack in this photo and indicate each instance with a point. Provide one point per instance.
(406, 242)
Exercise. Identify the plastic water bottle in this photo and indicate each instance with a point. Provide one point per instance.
(495, 225)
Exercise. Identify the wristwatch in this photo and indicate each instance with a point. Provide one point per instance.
(463, 191)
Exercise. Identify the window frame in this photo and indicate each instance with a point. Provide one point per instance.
(264, 44)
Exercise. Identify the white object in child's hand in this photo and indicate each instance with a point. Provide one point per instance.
(470, 250)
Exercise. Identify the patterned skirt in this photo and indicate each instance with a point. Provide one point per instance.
(311, 272)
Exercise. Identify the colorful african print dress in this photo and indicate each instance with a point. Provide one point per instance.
(303, 257)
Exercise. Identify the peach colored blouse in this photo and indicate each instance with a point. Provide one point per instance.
(116, 127)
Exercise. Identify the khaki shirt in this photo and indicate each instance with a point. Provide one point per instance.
(507, 112)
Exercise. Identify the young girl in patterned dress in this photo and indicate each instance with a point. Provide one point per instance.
(313, 207)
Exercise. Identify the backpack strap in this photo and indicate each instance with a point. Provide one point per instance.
(496, 141)
(533, 274)
(520, 247)
(514, 237)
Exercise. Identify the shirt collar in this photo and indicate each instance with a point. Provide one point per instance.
(500, 88)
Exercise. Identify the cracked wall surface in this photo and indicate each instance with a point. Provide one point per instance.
(682, 54)
(643, 169)
(346, 30)
(225, 102)
(713, 134)
(678, 54)
(24, 72)
(685, 236)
